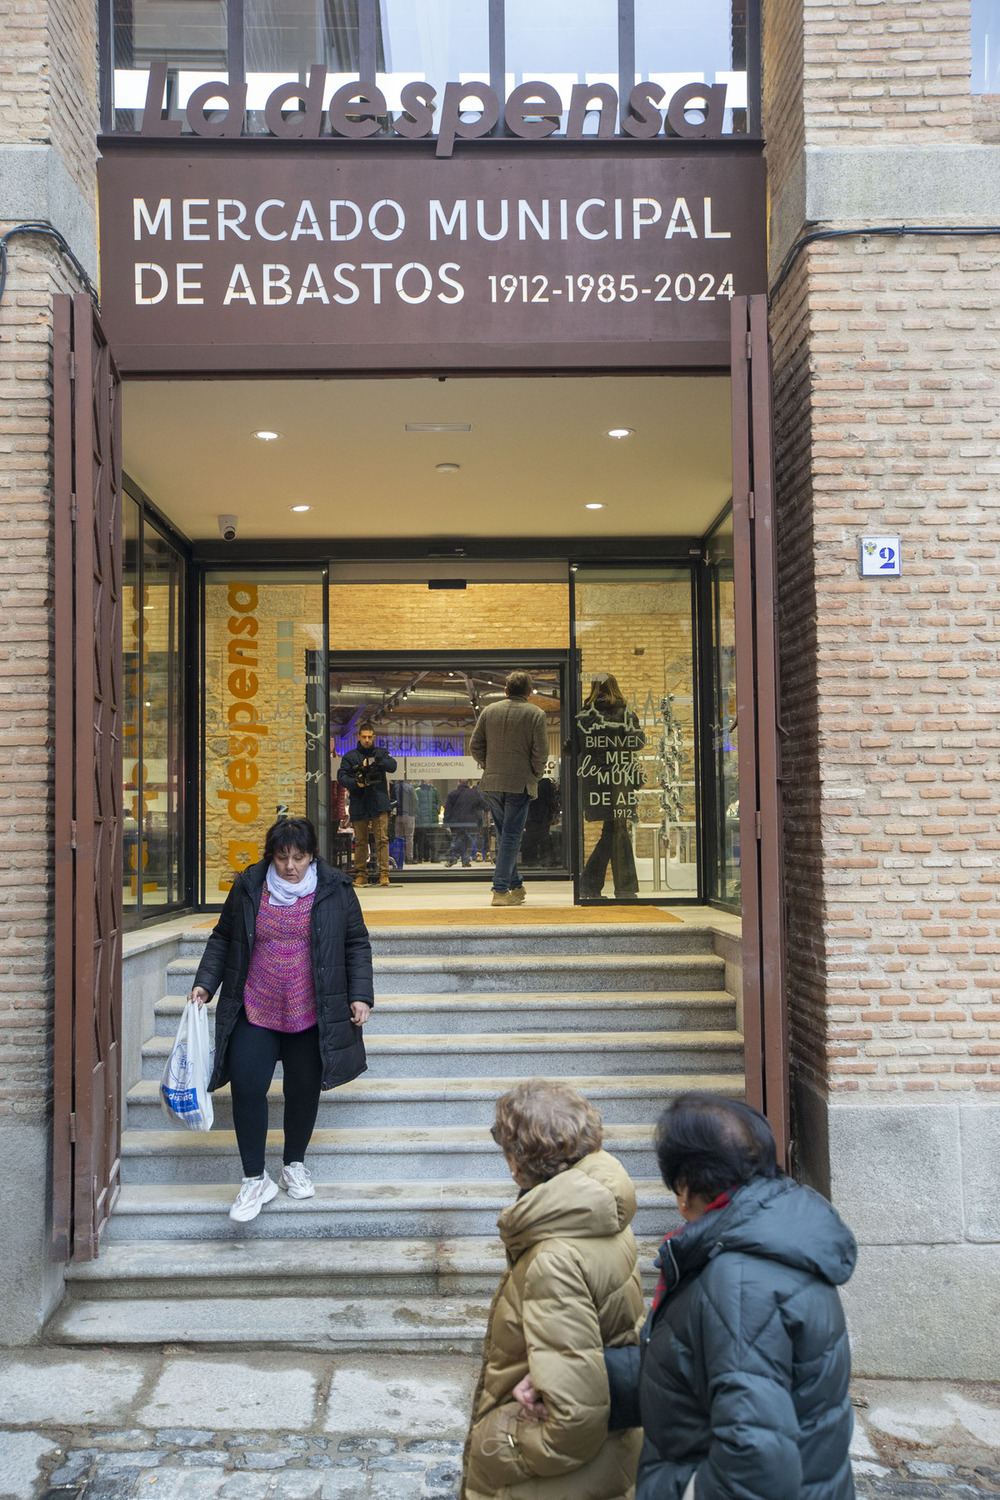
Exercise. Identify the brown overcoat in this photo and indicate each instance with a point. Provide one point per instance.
(571, 1287)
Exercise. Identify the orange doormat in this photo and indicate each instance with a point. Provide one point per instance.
(514, 916)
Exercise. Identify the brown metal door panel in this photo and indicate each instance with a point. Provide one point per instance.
(88, 568)
(759, 752)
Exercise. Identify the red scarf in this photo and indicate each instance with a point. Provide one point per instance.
(722, 1201)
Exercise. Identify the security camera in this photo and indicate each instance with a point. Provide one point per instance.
(227, 527)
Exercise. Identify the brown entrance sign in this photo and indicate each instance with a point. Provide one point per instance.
(278, 259)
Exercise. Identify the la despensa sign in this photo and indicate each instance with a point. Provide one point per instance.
(356, 111)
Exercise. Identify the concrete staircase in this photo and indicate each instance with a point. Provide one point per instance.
(398, 1249)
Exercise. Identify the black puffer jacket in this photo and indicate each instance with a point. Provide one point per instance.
(341, 960)
(744, 1379)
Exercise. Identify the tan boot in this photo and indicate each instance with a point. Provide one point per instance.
(384, 880)
(360, 877)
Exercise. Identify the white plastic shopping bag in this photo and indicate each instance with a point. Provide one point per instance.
(184, 1085)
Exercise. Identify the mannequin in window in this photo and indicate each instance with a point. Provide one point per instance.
(608, 736)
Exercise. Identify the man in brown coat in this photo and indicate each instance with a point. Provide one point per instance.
(511, 743)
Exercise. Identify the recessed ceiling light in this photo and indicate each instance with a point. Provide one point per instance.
(266, 435)
(437, 426)
(447, 468)
(620, 432)
(594, 505)
(300, 507)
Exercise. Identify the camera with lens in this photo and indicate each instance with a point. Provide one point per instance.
(369, 772)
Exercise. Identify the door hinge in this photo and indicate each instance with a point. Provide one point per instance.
(749, 344)
(72, 366)
(757, 826)
(72, 508)
(750, 504)
(72, 834)
(72, 1129)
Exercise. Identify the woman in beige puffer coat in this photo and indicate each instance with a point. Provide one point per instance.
(571, 1287)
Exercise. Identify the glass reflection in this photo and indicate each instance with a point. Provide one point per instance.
(424, 718)
(677, 43)
(725, 877)
(188, 35)
(635, 732)
(162, 723)
(985, 47)
(131, 707)
(562, 43)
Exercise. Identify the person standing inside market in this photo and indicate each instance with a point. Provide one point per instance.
(291, 953)
(364, 771)
(511, 743)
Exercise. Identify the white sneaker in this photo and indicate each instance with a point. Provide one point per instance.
(255, 1192)
(296, 1181)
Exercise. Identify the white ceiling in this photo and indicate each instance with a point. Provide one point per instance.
(537, 452)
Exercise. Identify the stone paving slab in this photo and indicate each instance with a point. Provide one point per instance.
(173, 1424)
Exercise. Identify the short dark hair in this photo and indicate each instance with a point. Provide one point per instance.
(518, 684)
(291, 833)
(546, 1127)
(366, 724)
(706, 1144)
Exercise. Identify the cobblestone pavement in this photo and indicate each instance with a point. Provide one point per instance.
(184, 1425)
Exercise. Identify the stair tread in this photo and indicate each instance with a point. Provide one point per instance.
(427, 962)
(319, 1322)
(387, 1140)
(164, 1259)
(147, 1090)
(545, 1042)
(218, 1197)
(523, 999)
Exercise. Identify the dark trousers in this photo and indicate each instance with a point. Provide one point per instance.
(423, 842)
(462, 845)
(254, 1052)
(615, 845)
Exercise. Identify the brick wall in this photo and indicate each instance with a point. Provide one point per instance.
(898, 69)
(412, 617)
(886, 415)
(26, 705)
(48, 81)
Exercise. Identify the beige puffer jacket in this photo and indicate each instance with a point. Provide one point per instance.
(571, 1287)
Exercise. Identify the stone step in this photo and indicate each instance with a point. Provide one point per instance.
(378, 1103)
(374, 1211)
(419, 1325)
(489, 938)
(702, 1010)
(517, 972)
(452, 1153)
(569, 1053)
(150, 1269)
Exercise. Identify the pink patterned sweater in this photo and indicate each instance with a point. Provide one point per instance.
(279, 990)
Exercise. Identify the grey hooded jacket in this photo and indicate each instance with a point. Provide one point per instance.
(744, 1378)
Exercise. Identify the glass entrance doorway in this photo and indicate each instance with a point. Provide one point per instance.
(424, 712)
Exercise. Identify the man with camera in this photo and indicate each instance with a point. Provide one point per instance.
(364, 772)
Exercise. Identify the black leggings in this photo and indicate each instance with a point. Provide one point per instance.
(253, 1053)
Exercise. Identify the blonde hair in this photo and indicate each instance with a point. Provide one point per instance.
(545, 1128)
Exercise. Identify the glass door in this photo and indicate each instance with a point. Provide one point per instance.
(723, 796)
(635, 734)
(424, 712)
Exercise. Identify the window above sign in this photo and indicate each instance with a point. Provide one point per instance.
(607, 46)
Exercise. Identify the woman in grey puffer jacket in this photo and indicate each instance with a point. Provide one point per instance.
(743, 1387)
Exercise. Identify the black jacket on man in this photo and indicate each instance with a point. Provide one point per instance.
(462, 807)
(341, 962)
(369, 801)
(744, 1378)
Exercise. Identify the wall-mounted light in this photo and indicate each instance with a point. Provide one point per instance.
(594, 505)
(621, 432)
(300, 507)
(447, 468)
(265, 435)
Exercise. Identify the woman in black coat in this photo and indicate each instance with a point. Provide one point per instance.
(292, 955)
(743, 1384)
(610, 777)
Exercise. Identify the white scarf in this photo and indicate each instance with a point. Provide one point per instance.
(287, 892)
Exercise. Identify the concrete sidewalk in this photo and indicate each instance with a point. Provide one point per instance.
(173, 1424)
